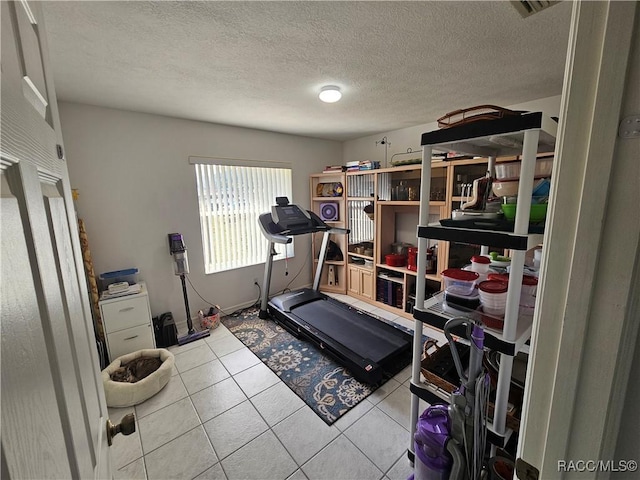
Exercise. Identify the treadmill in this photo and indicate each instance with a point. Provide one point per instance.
(371, 349)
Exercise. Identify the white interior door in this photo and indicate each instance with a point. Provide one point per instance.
(53, 404)
(586, 321)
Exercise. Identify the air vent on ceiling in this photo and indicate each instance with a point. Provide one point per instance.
(529, 7)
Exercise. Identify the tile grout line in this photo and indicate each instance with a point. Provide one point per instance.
(350, 426)
(163, 407)
(340, 432)
(398, 423)
(218, 459)
(248, 399)
(365, 455)
(201, 424)
(280, 441)
(175, 438)
(270, 428)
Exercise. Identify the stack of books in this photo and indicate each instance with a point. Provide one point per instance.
(389, 292)
(355, 165)
(334, 169)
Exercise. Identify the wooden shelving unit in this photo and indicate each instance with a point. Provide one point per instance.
(392, 213)
(334, 275)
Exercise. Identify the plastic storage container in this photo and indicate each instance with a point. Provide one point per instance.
(511, 170)
(467, 302)
(529, 282)
(480, 264)
(129, 275)
(493, 296)
(537, 212)
(527, 292)
(459, 282)
(537, 258)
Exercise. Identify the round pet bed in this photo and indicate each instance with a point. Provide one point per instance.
(122, 394)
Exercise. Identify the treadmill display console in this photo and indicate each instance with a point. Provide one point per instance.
(291, 217)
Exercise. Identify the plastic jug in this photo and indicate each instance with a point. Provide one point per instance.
(432, 460)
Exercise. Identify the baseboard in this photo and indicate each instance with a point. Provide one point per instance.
(182, 324)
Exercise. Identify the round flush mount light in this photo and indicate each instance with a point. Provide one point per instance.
(330, 94)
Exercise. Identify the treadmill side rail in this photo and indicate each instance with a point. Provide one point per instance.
(287, 301)
(362, 369)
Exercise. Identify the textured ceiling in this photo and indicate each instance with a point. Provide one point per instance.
(261, 64)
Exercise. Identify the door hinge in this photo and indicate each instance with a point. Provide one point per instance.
(526, 471)
(630, 127)
(60, 151)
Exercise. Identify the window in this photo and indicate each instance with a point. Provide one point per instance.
(232, 194)
(360, 224)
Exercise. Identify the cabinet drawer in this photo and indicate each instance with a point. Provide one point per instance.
(130, 340)
(125, 314)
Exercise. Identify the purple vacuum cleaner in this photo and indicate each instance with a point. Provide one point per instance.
(181, 268)
(450, 440)
(433, 461)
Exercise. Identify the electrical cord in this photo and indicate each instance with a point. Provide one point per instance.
(257, 303)
(307, 258)
(218, 306)
(205, 300)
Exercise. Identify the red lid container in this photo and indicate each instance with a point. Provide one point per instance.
(481, 259)
(493, 286)
(528, 280)
(459, 274)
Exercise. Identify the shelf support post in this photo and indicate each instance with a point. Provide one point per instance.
(425, 193)
(491, 168)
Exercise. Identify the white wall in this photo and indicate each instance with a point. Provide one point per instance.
(136, 186)
(365, 148)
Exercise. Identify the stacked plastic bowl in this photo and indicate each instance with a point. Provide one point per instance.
(528, 289)
(493, 297)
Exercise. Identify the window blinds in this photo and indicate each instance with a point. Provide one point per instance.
(360, 225)
(232, 194)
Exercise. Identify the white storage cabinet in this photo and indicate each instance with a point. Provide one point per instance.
(127, 323)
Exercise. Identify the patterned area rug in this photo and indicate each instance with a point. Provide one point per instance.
(324, 385)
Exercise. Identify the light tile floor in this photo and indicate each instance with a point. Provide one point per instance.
(225, 415)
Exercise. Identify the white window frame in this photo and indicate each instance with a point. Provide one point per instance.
(252, 245)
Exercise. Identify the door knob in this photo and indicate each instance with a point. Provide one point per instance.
(126, 426)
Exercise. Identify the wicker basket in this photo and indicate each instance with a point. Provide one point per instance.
(438, 369)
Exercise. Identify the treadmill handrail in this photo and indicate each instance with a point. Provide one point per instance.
(271, 231)
(275, 233)
(339, 231)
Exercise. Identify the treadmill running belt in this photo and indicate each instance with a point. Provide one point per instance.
(364, 335)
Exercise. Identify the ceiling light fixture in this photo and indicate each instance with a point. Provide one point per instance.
(330, 94)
